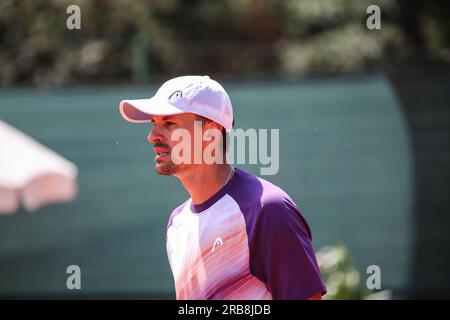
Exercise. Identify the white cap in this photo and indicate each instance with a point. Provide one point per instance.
(195, 94)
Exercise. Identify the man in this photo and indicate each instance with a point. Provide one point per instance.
(237, 236)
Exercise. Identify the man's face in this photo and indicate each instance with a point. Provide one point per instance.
(160, 136)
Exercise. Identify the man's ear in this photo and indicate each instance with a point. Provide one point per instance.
(212, 125)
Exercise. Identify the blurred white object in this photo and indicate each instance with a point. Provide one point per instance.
(32, 174)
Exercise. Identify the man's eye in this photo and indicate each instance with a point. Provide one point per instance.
(168, 124)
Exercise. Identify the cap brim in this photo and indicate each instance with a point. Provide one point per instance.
(142, 110)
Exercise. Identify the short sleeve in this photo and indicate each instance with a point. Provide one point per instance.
(282, 255)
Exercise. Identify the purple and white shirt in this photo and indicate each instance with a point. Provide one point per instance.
(248, 241)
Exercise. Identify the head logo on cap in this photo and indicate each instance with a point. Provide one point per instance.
(177, 94)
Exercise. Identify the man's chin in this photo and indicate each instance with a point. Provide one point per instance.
(165, 170)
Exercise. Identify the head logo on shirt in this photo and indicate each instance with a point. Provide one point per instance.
(217, 242)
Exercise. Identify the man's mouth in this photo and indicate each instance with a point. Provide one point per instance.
(160, 152)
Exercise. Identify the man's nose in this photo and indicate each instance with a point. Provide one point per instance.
(154, 135)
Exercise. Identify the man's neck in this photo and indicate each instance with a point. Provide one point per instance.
(206, 180)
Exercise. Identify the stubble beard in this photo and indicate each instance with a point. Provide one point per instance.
(169, 169)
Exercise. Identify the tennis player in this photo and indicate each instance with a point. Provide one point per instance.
(238, 236)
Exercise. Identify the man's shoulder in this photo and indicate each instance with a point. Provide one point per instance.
(179, 208)
(267, 206)
(252, 192)
(273, 194)
(251, 187)
(176, 211)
